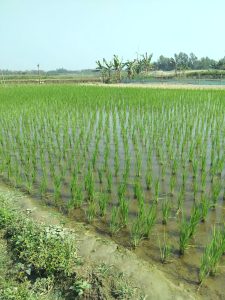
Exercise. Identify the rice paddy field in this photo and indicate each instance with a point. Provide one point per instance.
(143, 166)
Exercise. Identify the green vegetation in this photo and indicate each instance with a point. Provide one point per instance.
(181, 65)
(133, 161)
(142, 67)
(40, 262)
(165, 250)
(45, 257)
(212, 254)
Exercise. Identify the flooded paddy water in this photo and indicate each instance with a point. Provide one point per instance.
(135, 164)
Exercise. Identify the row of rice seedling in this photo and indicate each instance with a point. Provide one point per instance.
(133, 159)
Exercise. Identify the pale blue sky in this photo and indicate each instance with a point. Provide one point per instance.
(75, 33)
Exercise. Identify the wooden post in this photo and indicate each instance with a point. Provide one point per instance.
(38, 66)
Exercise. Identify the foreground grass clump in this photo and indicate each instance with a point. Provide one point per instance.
(212, 254)
(43, 249)
(39, 262)
(43, 255)
(188, 229)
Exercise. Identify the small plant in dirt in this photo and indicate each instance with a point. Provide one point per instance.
(43, 185)
(138, 165)
(184, 178)
(100, 175)
(115, 225)
(103, 204)
(124, 211)
(121, 288)
(156, 190)
(184, 235)
(150, 220)
(166, 210)
(180, 200)
(216, 189)
(195, 187)
(121, 190)
(137, 189)
(195, 168)
(109, 182)
(91, 211)
(173, 181)
(165, 250)
(203, 181)
(137, 229)
(188, 228)
(79, 287)
(57, 189)
(136, 232)
(76, 199)
(89, 184)
(148, 180)
(194, 219)
(205, 206)
(212, 254)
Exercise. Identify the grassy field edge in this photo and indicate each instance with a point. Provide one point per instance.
(39, 261)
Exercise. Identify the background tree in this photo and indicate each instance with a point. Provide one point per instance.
(165, 63)
(118, 65)
(193, 61)
(106, 69)
(146, 62)
(102, 69)
(109, 68)
(131, 68)
(205, 63)
(220, 65)
(181, 61)
(143, 64)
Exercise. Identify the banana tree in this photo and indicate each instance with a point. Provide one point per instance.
(173, 64)
(146, 62)
(106, 70)
(102, 69)
(109, 68)
(131, 68)
(118, 65)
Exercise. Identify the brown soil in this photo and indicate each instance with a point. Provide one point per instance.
(161, 86)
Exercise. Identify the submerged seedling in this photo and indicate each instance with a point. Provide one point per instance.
(150, 220)
(165, 250)
(91, 211)
(212, 254)
(114, 225)
(205, 206)
(166, 210)
(124, 211)
(103, 203)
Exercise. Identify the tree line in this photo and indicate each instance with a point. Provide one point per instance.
(113, 68)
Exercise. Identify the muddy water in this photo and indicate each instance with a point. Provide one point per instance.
(182, 269)
(95, 250)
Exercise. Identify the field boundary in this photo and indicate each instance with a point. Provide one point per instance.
(94, 249)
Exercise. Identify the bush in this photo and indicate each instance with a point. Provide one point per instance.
(40, 252)
(48, 250)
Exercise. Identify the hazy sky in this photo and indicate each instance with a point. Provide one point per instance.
(75, 33)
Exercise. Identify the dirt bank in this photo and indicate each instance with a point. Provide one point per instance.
(161, 86)
(94, 249)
